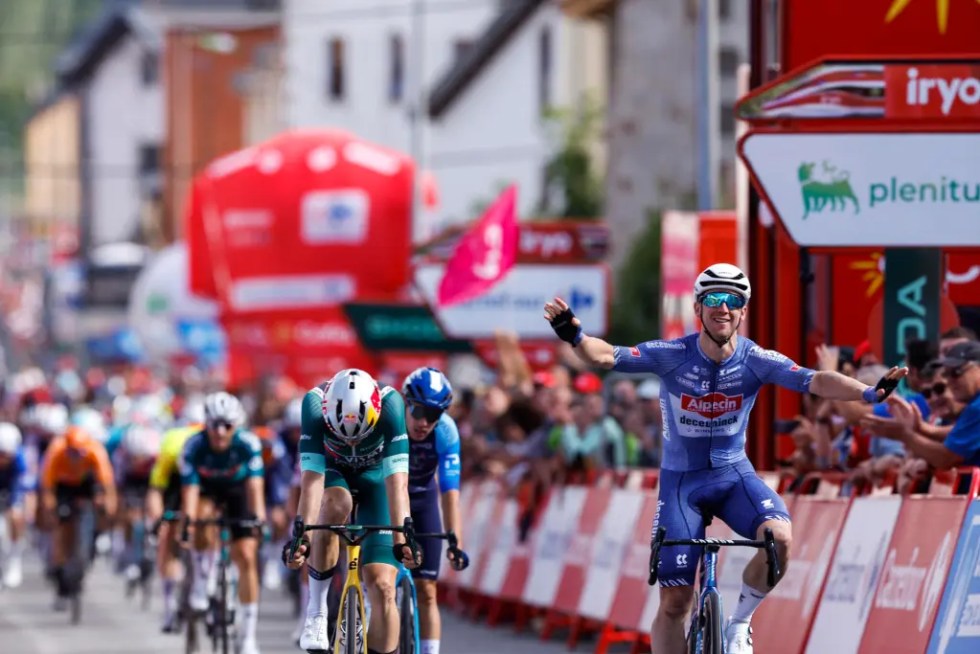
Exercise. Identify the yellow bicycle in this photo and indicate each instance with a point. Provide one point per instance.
(350, 636)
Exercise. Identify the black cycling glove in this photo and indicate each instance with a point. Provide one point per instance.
(565, 329)
(885, 384)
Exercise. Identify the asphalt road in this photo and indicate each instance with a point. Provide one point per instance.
(113, 624)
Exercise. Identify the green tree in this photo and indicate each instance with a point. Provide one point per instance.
(636, 306)
(573, 188)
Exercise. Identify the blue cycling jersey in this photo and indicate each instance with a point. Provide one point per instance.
(705, 404)
(438, 451)
(201, 465)
(14, 478)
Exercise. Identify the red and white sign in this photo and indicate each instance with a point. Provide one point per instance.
(914, 575)
(609, 553)
(556, 528)
(782, 622)
(854, 576)
(632, 589)
(479, 526)
(503, 542)
(540, 355)
(935, 91)
(579, 553)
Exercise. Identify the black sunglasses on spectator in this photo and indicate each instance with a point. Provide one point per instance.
(430, 413)
(936, 389)
(956, 373)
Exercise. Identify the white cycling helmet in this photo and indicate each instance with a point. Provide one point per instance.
(53, 418)
(9, 438)
(224, 407)
(141, 441)
(292, 417)
(352, 405)
(92, 422)
(722, 277)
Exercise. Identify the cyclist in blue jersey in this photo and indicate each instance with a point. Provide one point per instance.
(433, 446)
(709, 383)
(15, 483)
(221, 467)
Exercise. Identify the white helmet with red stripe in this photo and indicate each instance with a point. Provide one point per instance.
(352, 405)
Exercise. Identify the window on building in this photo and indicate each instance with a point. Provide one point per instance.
(149, 68)
(728, 59)
(724, 9)
(396, 82)
(726, 119)
(544, 69)
(336, 68)
(461, 48)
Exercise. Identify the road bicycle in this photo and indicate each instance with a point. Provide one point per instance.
(350, 635)
(220, 614)
(706, 634)
(81, 516)
(407, 598)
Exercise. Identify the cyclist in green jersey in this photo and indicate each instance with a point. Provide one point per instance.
(354, 446)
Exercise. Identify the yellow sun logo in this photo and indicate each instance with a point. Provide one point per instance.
(942, 12)
(873, 273)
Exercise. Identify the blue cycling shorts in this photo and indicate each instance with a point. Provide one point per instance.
(734, 493)
(427, 520)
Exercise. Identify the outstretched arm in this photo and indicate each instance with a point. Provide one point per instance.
(832, 385)
(594, 351)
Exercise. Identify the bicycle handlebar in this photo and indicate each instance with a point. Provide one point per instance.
(768, 543)
(352, 534)
(457, 557)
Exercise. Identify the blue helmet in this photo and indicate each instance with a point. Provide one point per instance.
(428, 387)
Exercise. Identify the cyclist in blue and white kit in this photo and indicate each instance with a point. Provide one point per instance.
(15, 483)
(710, 382)
(433, 446)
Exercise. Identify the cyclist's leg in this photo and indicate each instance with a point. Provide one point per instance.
(335, 509)
(380, 567)
(63, 541)
(678, 565)
(750, 508)
(12, 568)
(244, 553)
(425, 515)
(204, 550)
(168, 564)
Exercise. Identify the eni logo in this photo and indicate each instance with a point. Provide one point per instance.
(825, 188)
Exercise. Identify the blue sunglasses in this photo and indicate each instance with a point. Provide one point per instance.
(717, 298)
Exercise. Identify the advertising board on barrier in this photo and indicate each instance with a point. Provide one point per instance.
(555, 529)
(478, 530)
(870, 189)
(632, 591)
(578, 556)
(609, 553)
(914, 574)
(516, 302)
(854, 575)
(783, 621)
(957, 625)
(503, 542)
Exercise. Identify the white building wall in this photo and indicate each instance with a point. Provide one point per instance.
(122, 115)
(493, 133)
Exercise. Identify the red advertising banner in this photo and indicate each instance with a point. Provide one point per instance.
(579, 553)
(963, 278)
(307, 345)
(306, 219)
(679, 246)
(631, 593)
(783, 621)
(914, 575)
(559, 241)
(933, 91)
(877, 27)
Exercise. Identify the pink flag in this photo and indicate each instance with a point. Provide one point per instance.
(485, 253)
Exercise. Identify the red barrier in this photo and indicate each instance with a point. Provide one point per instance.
(782, 623)
(579, 553)
(914, 575)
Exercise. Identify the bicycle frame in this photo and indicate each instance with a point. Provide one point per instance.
(708, 574)
(353, 536)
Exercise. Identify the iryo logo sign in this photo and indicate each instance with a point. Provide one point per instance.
(932, 91)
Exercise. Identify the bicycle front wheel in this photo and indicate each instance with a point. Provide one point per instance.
(406, 612)
(352, 630)
(712, 641)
